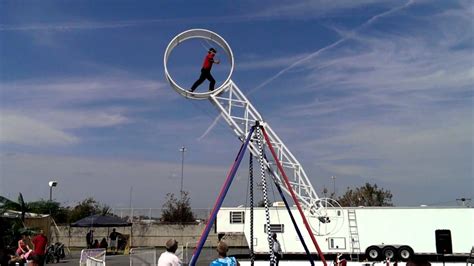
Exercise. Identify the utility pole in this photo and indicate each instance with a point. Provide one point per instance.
(182, 150)
(131, 208)
(334, 186)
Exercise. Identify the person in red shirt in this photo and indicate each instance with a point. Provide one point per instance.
(39, 243)
(206, 71)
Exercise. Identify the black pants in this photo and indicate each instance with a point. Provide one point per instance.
(277, 259)
(40, 260)
(205, 74)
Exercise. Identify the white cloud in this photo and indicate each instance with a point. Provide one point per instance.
(67, 119)
(26, 131)
(77, 89)
(80, 25)
(261, 63)
(404, 150)
(312, 9)
(39, 112)
(108, 180)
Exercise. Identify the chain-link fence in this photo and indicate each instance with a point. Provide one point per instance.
(152, 215)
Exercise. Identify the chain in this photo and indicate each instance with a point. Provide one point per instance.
(252, 254)
(265, 194)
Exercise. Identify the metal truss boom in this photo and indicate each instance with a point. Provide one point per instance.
(241, 115)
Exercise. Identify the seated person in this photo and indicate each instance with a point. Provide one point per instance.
(22, 246)
(103, 243)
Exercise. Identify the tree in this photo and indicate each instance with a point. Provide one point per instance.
(85, 208)
(177, 210)
(58, 213)
(10, 229)
(366, 195)
(21, 206)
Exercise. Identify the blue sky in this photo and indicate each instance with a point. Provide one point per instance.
(367, 91)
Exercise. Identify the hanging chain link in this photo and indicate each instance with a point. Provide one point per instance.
(265, 194)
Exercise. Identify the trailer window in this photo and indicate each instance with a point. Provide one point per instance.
(337, 243)
(237, 217)
(275, 228)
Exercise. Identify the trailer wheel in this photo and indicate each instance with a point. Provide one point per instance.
(405, 252)
(389, 252)
(373, 252)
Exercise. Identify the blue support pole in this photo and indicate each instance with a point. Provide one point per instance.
(220, 199)
(300, 236)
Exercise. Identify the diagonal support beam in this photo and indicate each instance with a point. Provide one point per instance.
(293, 195)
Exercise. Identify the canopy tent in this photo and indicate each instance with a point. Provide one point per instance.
(104, 221)
(101, 221)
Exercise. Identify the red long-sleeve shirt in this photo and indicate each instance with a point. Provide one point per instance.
(208, 61)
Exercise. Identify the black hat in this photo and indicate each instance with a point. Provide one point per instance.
(212, 50)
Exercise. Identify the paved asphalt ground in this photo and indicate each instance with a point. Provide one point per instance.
(73, 259)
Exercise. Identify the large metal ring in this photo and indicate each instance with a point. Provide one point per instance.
(203, 34)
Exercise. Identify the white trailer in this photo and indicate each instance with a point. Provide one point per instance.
(375, 233)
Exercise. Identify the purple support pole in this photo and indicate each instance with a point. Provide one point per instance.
(220, 199)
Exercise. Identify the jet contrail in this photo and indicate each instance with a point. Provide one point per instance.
(348, 36)
(213, 124)
(316, 53)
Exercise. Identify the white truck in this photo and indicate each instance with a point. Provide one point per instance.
(375, 233)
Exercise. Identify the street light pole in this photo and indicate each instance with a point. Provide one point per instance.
(51, 185)
(334, 186)
(182, 150)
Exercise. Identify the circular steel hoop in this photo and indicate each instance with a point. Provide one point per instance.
(202, 34)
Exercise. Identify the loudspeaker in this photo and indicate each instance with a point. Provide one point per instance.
(443, 242)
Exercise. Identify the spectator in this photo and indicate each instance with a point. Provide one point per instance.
(103, 243)
(340, 261)
(113, 241)
(90, 238)
(222, 249)
(276, 249)
(96, 244)
(23, 248)
(168, 258)
(39, 247)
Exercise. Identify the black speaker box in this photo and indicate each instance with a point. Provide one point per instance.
(443, 242)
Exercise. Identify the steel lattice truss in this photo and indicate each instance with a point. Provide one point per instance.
(241, 115)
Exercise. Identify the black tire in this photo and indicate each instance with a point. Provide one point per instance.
(389, 252)
(373, 253)
(405, 253)
(47, 258)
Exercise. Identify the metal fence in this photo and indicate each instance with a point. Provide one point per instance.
(91, 261)
(92, 257)
(143, 257)
(154, 214)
